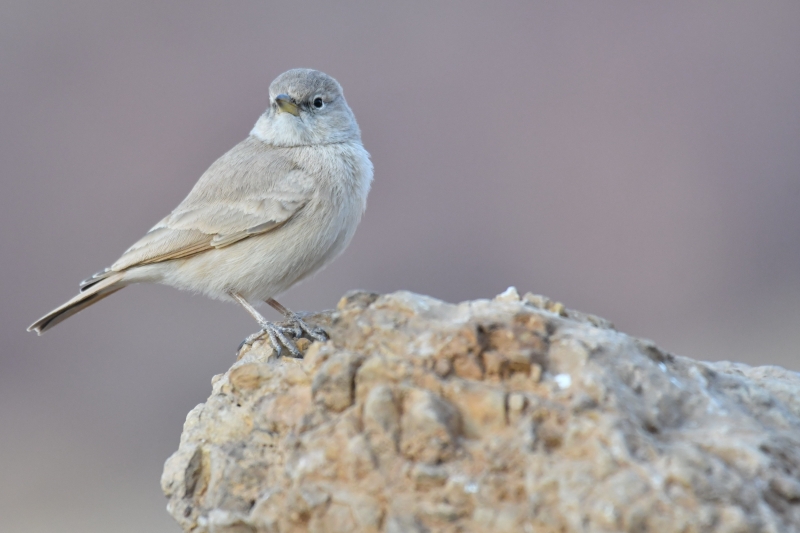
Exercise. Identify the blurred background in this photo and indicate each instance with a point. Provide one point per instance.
(639, 161)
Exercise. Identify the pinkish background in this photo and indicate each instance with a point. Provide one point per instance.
(640, 161)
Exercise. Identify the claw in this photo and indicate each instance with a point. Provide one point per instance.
(279, 334)
(249, 340)
(242, 345)
(277, 339)
(294, 330)
(283, 335)
(300, 325)
(273, 340)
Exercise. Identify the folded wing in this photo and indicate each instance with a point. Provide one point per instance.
(238, 197)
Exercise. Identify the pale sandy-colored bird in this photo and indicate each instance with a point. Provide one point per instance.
(276, 208)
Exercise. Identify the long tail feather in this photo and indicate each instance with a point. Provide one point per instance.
(93, 294)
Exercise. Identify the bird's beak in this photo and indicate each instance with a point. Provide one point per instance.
(286, 105)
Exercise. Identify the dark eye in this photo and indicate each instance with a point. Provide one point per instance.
(318, 103)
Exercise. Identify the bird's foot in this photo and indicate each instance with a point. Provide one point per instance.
(280, 337)
(301, 327)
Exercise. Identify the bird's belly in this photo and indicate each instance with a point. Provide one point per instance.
(261, 266)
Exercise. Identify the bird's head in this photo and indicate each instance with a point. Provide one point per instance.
(307, 107)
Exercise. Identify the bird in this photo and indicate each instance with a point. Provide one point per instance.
(274, 209)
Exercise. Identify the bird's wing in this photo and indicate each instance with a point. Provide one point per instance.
(251, 190)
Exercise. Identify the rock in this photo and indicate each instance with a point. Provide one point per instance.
(333, 384)
(514, 414)
(430, 427)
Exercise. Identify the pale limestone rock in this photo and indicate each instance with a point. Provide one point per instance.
(430, 427)
(507, 415)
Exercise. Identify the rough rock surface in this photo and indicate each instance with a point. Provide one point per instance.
(504, 415)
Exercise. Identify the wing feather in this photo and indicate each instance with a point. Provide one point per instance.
(253, 189)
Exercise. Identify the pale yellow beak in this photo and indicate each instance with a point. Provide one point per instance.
(286, 105)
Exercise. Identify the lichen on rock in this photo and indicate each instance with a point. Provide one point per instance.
(506, 415)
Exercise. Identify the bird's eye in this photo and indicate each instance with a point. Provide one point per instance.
(318, 103)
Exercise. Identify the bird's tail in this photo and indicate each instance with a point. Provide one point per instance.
(107, 286)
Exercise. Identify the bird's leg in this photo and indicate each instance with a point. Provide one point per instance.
(316, 333)
(277, 334)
